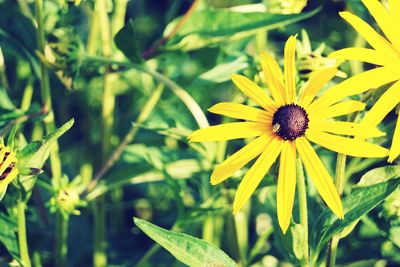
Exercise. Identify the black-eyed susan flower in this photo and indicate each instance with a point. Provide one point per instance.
(284, 126)
(385, 53)
(8, 167)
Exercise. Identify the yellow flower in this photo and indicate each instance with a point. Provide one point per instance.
(8, 168)
(385, 53)
(283, 127)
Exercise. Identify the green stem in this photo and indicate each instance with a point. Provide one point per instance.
(22, 240)
(302, 196)
(61, 241)
(108, 105)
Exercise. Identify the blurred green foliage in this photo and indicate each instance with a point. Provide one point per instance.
(159, 177)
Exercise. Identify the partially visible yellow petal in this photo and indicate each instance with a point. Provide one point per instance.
(254, 176)
(394, 8)
(345, 128)
(339, 109)
(228, 131)
(240, 158)
(10, 158)
(315, 84)
(8, 179)
(383, 106)
(377, 57)
(356, 85)
(395, 149)
(320, 176)
(347, 146)
(384, 20)
(239, 111)
(368, 33)
(253, 91)
(273, 77)
(290, 65)
(286, 184)
(3, 151)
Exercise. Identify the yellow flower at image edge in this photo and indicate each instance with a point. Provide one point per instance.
(384, 53)
(8, 169)
(284, 127)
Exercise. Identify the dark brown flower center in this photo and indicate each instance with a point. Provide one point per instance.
(290, 122)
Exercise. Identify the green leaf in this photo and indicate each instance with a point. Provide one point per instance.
(187, 249)
(126, 41)
(7, 235)
(211, 27)
(358, 203)
(379, 175)
(35, 155)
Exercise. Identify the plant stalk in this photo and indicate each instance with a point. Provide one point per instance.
(22, 240)
(302, 198)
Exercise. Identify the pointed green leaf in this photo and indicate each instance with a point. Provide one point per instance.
(126, 41)
(211, 27)
(187, 249)
(35, 154)
(358, 203)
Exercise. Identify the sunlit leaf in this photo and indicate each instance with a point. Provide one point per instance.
(187, 249)
(379, 175)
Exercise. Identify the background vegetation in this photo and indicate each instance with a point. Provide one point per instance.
(137, 80)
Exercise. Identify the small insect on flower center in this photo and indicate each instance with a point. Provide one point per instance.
(290, 122)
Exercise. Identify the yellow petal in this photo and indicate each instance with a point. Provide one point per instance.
(347, 146)
(273, 77)
(384, 20)
(10, 158)
(9, 178)
(368, 33)
(315, 84)
(356, 85)
(339, 109)
(256, 173)
(228, 131)
(240, 158)
(320, 176)
(394, 8)
(286, 184)
(383, 106)
(253, 91)
(395, 149)
(239, 111)
(377, 57)
(290, 60)
(3, 151)
(345, 128)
